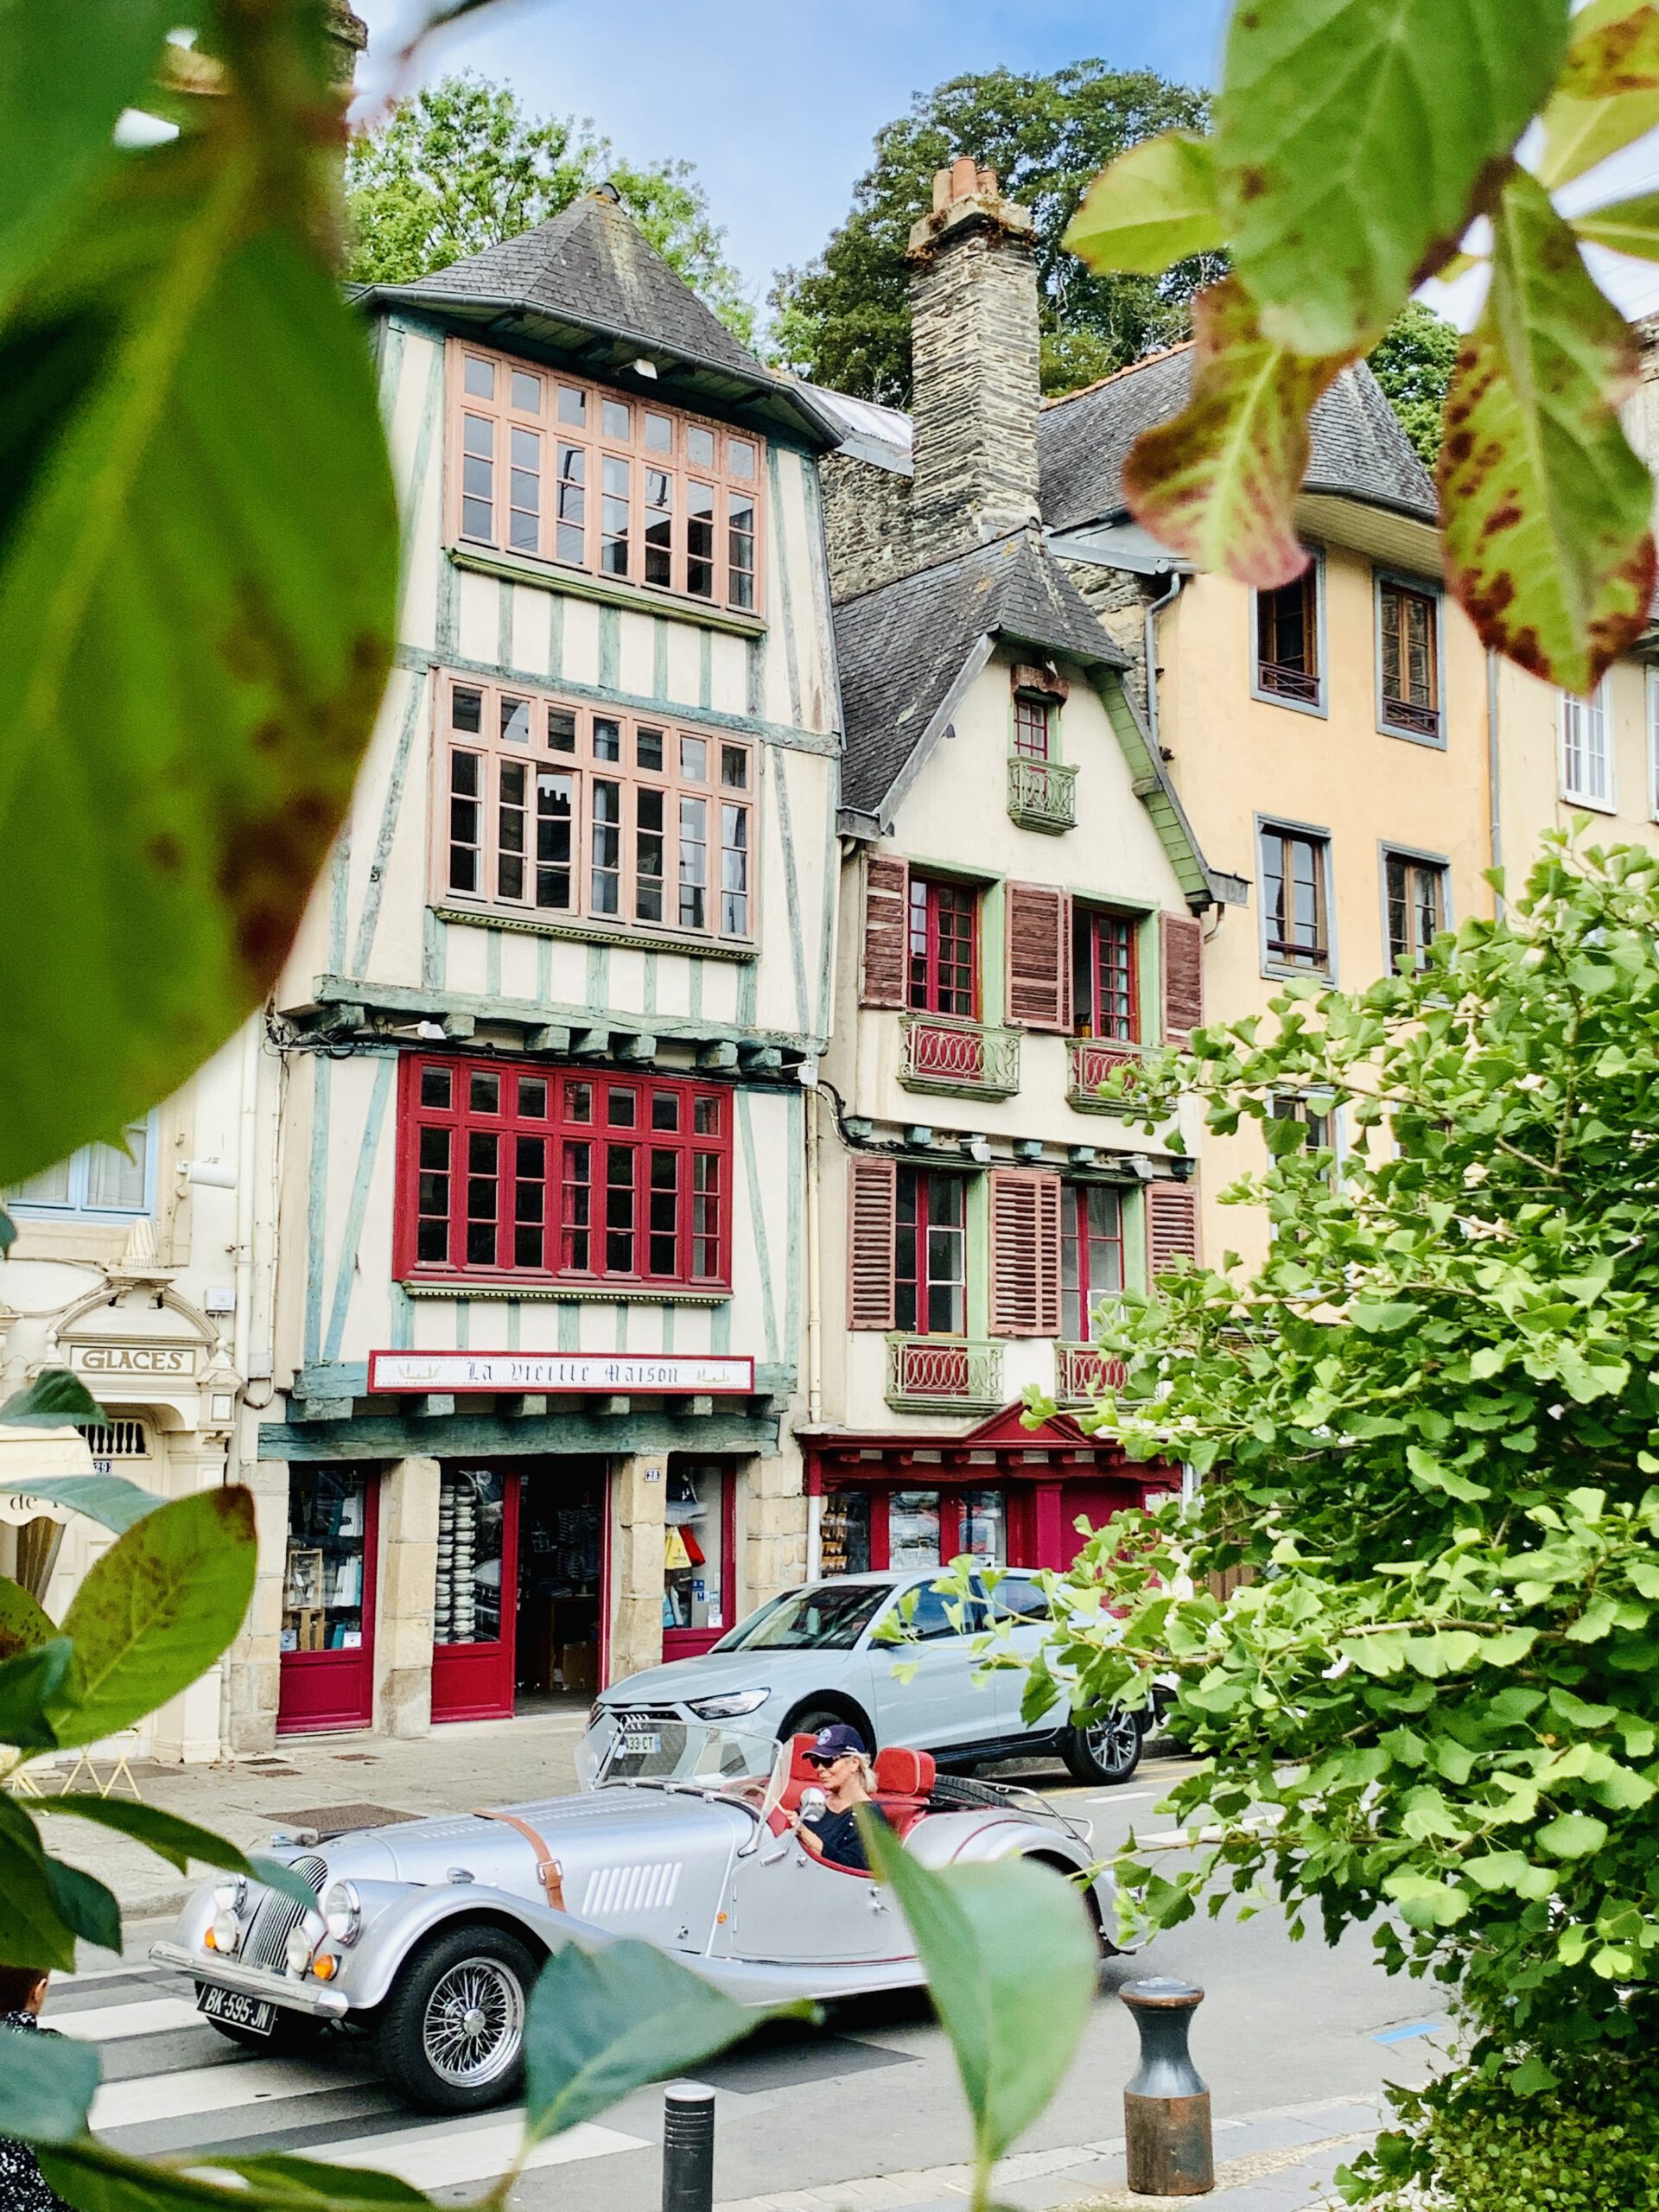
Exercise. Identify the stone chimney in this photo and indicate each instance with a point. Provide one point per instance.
(975, 364)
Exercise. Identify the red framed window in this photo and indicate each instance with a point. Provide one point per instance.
(1106, 981)
(521, 1174)
(943, 974)
(930, 1254)
(1091, 1256)
(1031, 726)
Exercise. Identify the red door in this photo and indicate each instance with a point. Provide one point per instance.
(328, 1593)
(475, 1620)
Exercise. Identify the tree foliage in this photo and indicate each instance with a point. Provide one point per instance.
(461, 166)
(1430, 1425)
(845, 319)
(1355, 143)
(1413, 363)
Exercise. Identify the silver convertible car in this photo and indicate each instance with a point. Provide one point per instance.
(428, 1936)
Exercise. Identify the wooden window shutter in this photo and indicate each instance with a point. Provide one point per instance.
(1172, 1226)
(871, 1185)
(1037, 919)
(1180, 961)
(1025, 1253)
(886, 930)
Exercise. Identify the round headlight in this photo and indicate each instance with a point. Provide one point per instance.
(298, 1951)
(232, 1894)
(225, 1933)
(342, 1912)
(729, 1706)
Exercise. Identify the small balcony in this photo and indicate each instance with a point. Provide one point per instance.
(1042, 794)
(959, 1058)
(950, 1374)
(1082, 1372)
(1089, 1061)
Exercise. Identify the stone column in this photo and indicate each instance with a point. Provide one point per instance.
(186, 1730)
(772, 1514)
(407, 1585)
(253, 1665)
(636, 1568)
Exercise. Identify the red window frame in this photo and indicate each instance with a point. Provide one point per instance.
(1083, 1247)
(522, 1174)
(933, 1226)
(941, 963)
(1034, 726)
(1107, 984)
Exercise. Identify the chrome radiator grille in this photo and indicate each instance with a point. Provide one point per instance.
(278, 1916)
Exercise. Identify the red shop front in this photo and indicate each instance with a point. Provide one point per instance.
(1010, 1495)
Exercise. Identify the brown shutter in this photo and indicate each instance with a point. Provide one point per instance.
(1025, 1253)
(1180, 959)
(870, 1187)
(1037, 919)
(887, 928)
(1172, 1226)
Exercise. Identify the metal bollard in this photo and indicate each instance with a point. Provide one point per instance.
(1166, 2107)
(688, 2147)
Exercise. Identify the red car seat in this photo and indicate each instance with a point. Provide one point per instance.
(904, 1783)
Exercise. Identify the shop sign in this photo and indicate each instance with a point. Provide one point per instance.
(667, 1372)
(172, 1360)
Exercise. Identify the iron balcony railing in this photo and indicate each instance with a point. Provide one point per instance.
(942, 1054)
(1089, 1061)
(1042, 794)
(1289, 683)
(1082, 1372)
(955, 1372)
(1403, 714)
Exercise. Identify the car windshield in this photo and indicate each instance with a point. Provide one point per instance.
(830, 1617)
(648, 1746)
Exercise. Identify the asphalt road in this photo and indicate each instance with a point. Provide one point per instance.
(872, 2090)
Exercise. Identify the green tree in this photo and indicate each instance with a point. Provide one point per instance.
(845, 319)
(460, 167)
(1414, 366)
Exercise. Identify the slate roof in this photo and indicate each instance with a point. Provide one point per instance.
(1360, 452)
(903, 646)
(589, 283)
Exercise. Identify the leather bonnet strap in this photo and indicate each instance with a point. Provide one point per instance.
(548, 1871)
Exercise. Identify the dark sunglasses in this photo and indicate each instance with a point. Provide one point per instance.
(822, 1759)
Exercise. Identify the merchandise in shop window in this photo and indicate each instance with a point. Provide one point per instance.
(693, 1510)
(471, 1517)
(844, 1533)
(983, 1526)
(913, 1529)
(322, 1582)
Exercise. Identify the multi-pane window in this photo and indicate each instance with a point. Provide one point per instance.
(1031, 726)
(1091, 1256)
(942, 971)
(929, 1253)
(1587, 760)
(1319, 1123)
(517, 1173)
(1409, 622)
(100, 1179)
(1287, 639)
(1295, 900)
(571, 812)
(567, 471)
(1414, 890)
(1105, 979)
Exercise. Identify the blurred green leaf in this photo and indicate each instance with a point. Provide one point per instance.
(178, 1841)
(603, 2023)
(28, 1685)
(84, 1905)
(1012, 1969)
(24, 1624)
(193, 453)
(1154, 206)
(1371, 127)
(1608, 92)
(155, 1611)
(33, 1932)
(1629, 226)
(95, 2179)
(54, 1400)
(1219, 482)
(1547, 507)
(47, 2083)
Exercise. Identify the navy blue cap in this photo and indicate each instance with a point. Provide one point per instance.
(835, 1742)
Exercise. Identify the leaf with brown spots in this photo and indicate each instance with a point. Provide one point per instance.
(155, 1611)
(24, 1623)
(1155, 204)
(1547, 508)
(1219, 483)
(1609, 90)
(1356, 139)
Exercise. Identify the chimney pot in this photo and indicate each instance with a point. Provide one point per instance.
(964, 176)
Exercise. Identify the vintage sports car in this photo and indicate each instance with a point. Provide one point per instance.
(426, 1936)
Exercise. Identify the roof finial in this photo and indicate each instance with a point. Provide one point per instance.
(607, 191)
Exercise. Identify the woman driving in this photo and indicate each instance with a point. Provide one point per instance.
(841, 1762)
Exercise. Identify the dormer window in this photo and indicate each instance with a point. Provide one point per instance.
(1031, 726)
(562, 471)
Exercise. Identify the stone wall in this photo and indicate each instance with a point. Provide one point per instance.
(253, 1666)
(636, 1542)
(408, 1590)
(773, 1530)
(1119, 598)
(866, 523)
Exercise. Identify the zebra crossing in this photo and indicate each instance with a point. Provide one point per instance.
(173, 2084)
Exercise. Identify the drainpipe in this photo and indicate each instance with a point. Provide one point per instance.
(814, 1248)
(1153, 609)
(1496, 818)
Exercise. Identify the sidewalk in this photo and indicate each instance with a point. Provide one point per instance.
(1281, 2160)
(456, 1767)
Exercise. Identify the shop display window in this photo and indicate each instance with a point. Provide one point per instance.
(561, 1572)
(323, 1579)
(844, 1533)
(471, 1540)
(693, 1546)
(913, 1529)
(984, 1532)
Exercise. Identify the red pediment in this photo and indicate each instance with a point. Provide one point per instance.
(1010, 1426)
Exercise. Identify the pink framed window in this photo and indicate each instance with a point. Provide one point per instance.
(562, 812)
(516, 1174)
(944, 947)
(1031, 726)
(1091, 1256)
(929, 1253)
(1106, 980)
(564, 471)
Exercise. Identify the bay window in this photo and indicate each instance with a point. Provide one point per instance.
(557, 812)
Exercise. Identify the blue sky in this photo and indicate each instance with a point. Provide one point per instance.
(777, 101)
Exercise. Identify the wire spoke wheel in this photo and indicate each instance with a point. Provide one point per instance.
(475, 2022)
